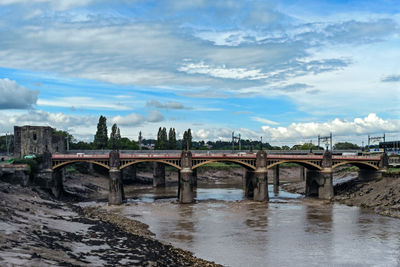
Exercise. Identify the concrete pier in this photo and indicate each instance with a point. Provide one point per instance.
(261, 177)
(186, 188)
(248, 183)
(116, 190)
(186, 192)
(276, 179)
(261, 185)
(115, 187)
(158, 174)
(319, 183)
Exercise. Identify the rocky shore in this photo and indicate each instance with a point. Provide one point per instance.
(36, 230)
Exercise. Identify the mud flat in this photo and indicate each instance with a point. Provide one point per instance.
(382, 195)
(36, 230)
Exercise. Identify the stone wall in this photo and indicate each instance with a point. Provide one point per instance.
(36, 140)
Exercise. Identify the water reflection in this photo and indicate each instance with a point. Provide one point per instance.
(287, 231)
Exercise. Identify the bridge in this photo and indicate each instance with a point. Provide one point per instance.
(318, 177)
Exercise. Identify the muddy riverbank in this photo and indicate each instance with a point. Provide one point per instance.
(381, 196)
(36, 230)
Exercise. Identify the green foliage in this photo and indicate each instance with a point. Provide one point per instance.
(3, 143)
(350, 169)
(393, 170)
(218, 166)
(115, 137)
(305, 146)
(101, 136)
(187, 140)
(127, 144)
(172, 143)
(162, 139)
(70, 169)
(33, 164)
(345, 145)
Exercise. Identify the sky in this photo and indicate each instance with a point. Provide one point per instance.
(286, 70)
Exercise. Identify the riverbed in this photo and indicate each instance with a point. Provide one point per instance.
(290, 230)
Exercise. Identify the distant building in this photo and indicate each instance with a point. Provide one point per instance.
(36, 140)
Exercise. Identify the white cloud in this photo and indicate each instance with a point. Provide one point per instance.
(169, 105)
(82, 103)
(222, 71)
(14, 96)
(56, 5)
(359, 126)
(134, 119)
(264, 121)
(130, 119)
(155, 116)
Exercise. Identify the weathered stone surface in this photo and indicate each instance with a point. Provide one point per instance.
(158, 174)
(261, 185)
(248, 183)
(186, 194)
(276, 179)
(37, 140)
(319, 183)
(115, 194)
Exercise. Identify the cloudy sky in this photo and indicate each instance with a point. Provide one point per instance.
(285, 70)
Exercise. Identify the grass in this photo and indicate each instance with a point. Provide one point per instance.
(393, 170)
(218, 166)
(70, 169)
(350, 169)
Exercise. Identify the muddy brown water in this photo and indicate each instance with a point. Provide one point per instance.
(288, 231)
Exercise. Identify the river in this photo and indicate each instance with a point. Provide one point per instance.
(288, 231)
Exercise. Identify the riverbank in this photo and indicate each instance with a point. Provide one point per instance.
(36, 230)
(381, 196)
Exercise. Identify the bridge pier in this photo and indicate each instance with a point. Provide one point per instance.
(320, 182)
(194, 178)
(115, 194)
(276, 179)
(49, 179)
(158, 174)
(116, 190)
(261, 177)
(261, 185)
(248, 183)
(302, 173)
(185, 190)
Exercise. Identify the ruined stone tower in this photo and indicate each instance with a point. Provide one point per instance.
(36, 139)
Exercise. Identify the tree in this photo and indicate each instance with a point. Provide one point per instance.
(345, 145)
(162, 139)
(172, 143)
(115, 137)
(187, 140)
(101, 136)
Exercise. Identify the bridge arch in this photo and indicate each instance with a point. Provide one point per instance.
(150, 160)
(65, 163)
(241, 163)
(359, 164)
(304, 163)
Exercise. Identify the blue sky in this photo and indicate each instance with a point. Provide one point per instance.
(284, 70)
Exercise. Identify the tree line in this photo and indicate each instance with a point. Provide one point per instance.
(167, 141)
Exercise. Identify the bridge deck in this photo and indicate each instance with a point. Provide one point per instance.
(211, 156)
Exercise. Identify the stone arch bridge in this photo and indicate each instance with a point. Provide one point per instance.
(318, 178)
